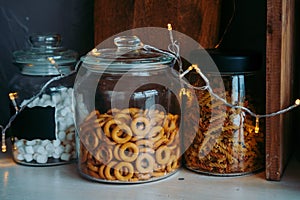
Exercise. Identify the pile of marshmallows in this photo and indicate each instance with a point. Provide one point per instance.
(63, 147)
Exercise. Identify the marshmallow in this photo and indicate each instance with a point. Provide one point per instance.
(29, 150)
(56, 142)
(28, 157)
(55, 155)
(20, 156)
(19, 143)
(45, 142)
(42, 159)
(59, 150)
(30, 142)
(42, 150)
(63, 147)
(21, 150)
(61, 135)
(68, 148)
(65, 156)
(50, 148)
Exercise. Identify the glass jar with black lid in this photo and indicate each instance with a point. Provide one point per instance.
(43, 132)
(229, 141)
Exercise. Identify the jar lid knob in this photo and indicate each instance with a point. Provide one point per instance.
(53, 40)
(127, 42)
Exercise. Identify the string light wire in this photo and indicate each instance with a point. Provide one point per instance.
(174, 49)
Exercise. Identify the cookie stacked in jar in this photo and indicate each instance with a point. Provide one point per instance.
(229, 141)
(43, 133)
(127, 113)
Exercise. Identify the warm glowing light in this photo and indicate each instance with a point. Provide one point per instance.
(13, 95)
(256, 125)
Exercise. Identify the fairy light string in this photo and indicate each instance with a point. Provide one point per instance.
(173, 47)
(173, 51)
(210, 90)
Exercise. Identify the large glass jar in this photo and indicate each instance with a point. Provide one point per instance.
(229, 141)
(43, 132)
(127, 114)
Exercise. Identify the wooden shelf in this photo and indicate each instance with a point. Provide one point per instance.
(279, 84)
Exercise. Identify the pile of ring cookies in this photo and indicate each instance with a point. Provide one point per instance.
(225, 141)
(129, 145)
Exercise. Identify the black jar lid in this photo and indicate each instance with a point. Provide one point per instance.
(230, 61)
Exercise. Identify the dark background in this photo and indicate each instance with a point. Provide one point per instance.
(73, 19)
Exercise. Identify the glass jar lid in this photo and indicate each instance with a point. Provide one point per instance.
(130, 54)
(46, 56)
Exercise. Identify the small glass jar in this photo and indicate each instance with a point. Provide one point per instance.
(229, 141)
(127, 114)
(43, 133)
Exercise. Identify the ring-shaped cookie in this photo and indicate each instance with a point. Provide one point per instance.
(121, 134)
(146, 150)
(129, 152)
(90, 139)
(163, 155)
(122, 117)
(92, 167)
(131, 111)
(103, 154)
(116, 151)
(109, 172)
(160, 142)
(101, 121)
(101, 171)
(144, 143)
(144, 163)
(123, 171)
(173, 163)
(99, 132)
(109, 126)
(93, 174)
(156, 133)
(93, 115)
(156, 117)
(140, 126)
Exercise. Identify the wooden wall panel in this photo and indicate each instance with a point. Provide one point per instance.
(112, 17)
(279, 70)
(198, 19)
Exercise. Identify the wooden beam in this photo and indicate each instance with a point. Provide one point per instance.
(279, 70)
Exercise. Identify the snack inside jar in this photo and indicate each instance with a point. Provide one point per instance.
(229, 141)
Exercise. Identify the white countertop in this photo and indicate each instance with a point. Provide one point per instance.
(63, 182)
